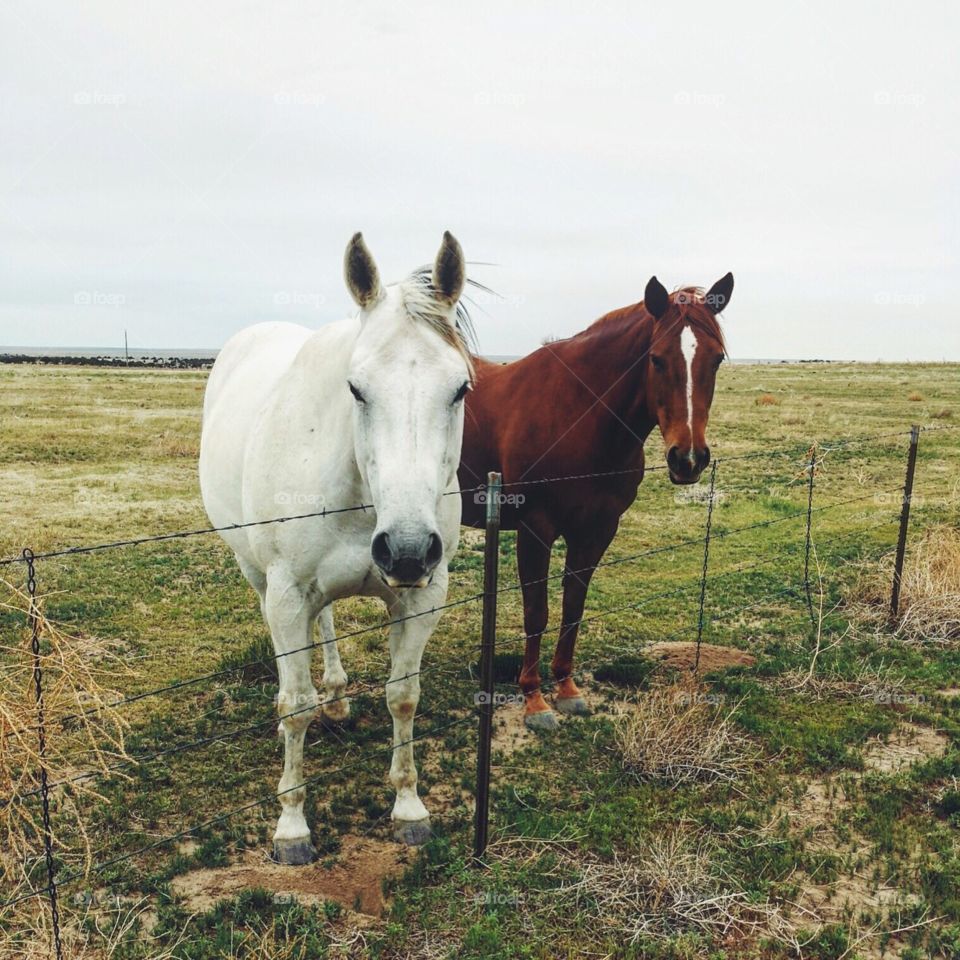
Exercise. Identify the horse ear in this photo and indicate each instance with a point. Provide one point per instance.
(363, 279)
(449, 270)
(655, 298)
(719, 294)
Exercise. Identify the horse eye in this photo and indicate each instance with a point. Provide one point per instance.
(357, 395)
(461, 393)
(657, 363)
(717, 363)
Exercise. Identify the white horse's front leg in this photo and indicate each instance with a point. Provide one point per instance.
(407, 641)
(336, 706)
(291, 620)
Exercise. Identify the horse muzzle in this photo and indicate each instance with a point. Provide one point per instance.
(405, 561)
(686, 465)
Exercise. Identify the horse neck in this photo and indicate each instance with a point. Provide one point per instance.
(609, 357)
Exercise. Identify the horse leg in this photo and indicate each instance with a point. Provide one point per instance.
(291, 624)
(407, 640)
(583, 554)
(533, 565)
(335, 704)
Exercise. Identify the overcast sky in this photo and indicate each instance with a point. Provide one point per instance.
(181, 170)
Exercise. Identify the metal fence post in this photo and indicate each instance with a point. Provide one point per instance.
(706, 562)
(904, 521)
(491, 566)
(812, 468)
(34, 619)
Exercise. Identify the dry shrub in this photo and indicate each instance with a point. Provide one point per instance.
(929, 590)
(84, 735)
(915, 397)
(944, 414)
(681, 734)
(675, 885)
(767, 400)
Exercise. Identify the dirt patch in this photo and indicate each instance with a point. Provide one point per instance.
(859, 894)
(354, 880)
(682, 655)
(909, 745)
(509, 732)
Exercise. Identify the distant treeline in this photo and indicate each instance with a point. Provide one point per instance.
(172, 363)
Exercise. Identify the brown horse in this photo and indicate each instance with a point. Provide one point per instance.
(586, 406)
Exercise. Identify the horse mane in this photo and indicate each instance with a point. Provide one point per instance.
(690, 303)
(423, 305)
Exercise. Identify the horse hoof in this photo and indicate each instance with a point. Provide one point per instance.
(294, 853)
(543, 721)
(337, 711)
(572, 706)
(414, 833)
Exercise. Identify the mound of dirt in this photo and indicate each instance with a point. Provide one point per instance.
(355, 880)
(682, 655)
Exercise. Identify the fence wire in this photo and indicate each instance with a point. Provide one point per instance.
(810, 459)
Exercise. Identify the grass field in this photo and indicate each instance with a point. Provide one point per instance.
(831, 816)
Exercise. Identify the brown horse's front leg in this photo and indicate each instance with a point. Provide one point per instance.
(533, 565)
(582, 558)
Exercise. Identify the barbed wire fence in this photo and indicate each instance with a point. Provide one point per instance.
(699, 589)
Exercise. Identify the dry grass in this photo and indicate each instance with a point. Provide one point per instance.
(674, 886)
(86, 934)
(929, 594)
(170, 445)
(680, 734)
(944, 414)
(767, 400)
(80, 726)
(915, 397)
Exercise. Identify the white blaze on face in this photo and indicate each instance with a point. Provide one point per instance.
(689, 344)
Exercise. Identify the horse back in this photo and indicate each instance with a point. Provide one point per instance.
(533, 423)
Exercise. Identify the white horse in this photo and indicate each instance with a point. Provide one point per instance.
(367, 410)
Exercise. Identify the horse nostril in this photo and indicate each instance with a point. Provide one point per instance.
(434, 550)
(704, 458)
(673, 458)
(381, 552)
